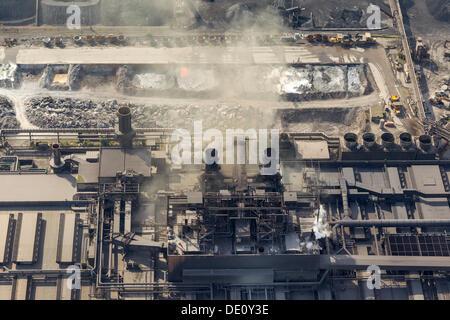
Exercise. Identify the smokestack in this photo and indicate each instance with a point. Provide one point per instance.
(124, 114)
(56, 162)
(388, 140)
(124, 130)
(351, 140)
(425, 142)
(56, 151)
(369, 140)
(406, 140)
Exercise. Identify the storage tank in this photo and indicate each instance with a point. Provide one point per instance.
(17, 12)
(54, 12)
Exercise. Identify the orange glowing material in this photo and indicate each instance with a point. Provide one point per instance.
(184, 71)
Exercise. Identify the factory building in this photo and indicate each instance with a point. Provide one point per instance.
(139, 226)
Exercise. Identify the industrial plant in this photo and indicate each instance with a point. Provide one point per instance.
(224, 150)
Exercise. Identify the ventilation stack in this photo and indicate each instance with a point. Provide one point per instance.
(425, 142)
(406, 140)
(124, 131)
(351, 141)
(369, 141)
(388, 140)
(56, 162)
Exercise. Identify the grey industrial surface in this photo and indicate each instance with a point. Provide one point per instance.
(120, 160)
(29, 187)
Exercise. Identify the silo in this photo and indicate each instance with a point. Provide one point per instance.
(17, 12)
(54, 12)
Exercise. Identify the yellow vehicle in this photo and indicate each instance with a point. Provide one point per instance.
(397, 107)
(394, 98)
(368, 38)
(333, 40)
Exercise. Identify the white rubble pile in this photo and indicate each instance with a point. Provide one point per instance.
(152, 81)
(9, 76)
(197, 80)
(329, 79)
(295, 80)
(354, 79)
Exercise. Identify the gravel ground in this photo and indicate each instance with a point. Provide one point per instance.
(7, 115)
(331, 121)
(50, 112)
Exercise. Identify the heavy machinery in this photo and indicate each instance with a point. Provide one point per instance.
(365, 39)
(347, 40)
(421, 52)
(396, 106)
(440, 100)
(394, 98)
(312, 38)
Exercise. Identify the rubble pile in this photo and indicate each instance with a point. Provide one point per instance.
(7, 115)
(297, 83)
(48, 112)
(331, 121)
(156, 81)
(9, 76)
(323, 82)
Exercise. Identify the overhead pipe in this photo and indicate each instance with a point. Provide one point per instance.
(392, 223)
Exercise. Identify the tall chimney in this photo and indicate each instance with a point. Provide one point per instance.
(124, 114)
(124, 130)
(56, 162)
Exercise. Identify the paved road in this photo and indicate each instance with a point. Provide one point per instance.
(397, 12)
(194, 55)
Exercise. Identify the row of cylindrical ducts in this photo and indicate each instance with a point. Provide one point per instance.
(369, 141)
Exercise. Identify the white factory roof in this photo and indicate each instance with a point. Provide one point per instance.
(26, 244)
(37, 187)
